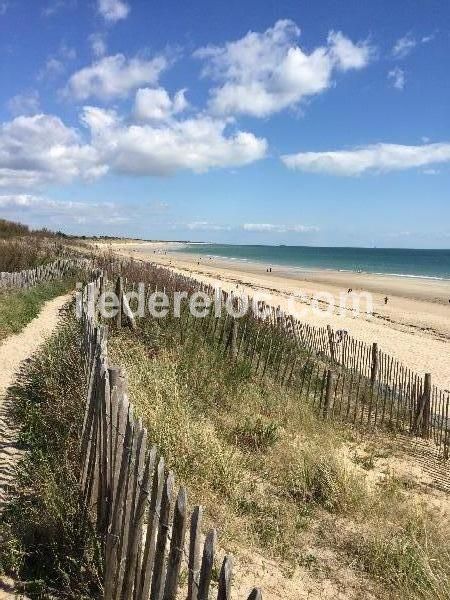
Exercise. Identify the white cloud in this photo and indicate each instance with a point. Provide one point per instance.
(346, 54)
(156, 104)
(397, 78)
(52, 68)
(56, 64)
(61, 211)
(114, 77)
(197, 144)
(24, 104)
(270, 227)
(427, 38)
(98, 44)
(404, 46)
(55, 6)
(113, 10)
(263, 73)
(40, 149)
(377, 157)
(206, 226)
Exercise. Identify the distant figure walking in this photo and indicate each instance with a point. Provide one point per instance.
(340, 335)
(386, 299)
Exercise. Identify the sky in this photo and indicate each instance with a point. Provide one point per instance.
(246, 121)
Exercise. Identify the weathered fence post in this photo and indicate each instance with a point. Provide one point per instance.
(374, 368)
(119, 294)
(233, 339)
(426, 413)
(194, 553)
(423, 412)
(328, 402)
(224, 591)
(255, 594)
(331, 341)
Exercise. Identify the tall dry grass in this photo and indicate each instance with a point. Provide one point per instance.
(273, 475)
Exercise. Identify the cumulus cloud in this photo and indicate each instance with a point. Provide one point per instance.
(40, 149)
(24, 104)
(113, 10)
(377, 158)
(114, 77)
(197, 144)
(397, 78)
(271, 227)
(263, 73)
(156, 104)
(346, 54)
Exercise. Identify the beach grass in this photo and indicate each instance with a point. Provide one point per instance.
(273, 476)
(19, 307)
(46, 542)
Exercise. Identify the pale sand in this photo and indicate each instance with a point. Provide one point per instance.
(414, 326)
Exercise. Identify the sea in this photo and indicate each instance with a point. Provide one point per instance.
(432, 264)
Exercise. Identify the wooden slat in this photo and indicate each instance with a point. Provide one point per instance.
(224, 591)
(206, 569)
(176, 546)
(145, 578)
(159, 570)
(194, 553)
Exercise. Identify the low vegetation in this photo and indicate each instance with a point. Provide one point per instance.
(45, 541)
(274, 477)
(11, 229)
(19, 307)
(18, 254)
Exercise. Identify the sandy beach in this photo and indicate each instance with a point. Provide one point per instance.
(414, 326)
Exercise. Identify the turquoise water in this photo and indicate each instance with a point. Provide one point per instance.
(388, 261)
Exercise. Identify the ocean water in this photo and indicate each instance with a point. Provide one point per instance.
(434, 264)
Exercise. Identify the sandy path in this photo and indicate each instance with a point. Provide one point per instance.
(13, 351)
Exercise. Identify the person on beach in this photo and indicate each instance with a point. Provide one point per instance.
(386, 300)
(341, 334)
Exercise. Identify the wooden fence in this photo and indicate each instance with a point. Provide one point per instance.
(48, 272)
(365, 386)
(140, 518)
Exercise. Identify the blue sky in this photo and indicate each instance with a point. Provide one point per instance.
(323, 123)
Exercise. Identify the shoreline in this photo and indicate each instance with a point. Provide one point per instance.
(301, 269)
(414, 326)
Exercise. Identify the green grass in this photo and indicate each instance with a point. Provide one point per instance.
(271, 474)
(240, 450)
(45, 541)
(19, 307)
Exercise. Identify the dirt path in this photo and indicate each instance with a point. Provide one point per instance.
(13, 351)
